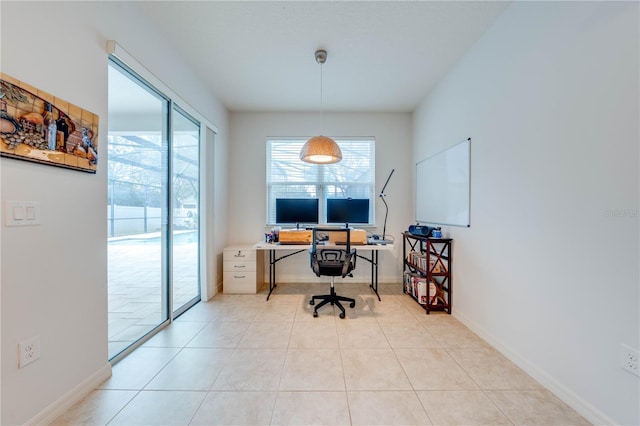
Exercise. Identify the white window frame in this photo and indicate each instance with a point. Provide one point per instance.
(316, 176)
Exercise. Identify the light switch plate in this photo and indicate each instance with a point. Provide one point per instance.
(21, 213)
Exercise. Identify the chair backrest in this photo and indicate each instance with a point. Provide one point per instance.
(332, 261)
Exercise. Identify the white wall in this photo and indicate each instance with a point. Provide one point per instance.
(548, 271)
(54, 276)
(247, 171)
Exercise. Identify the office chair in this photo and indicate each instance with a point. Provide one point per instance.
(332, 262)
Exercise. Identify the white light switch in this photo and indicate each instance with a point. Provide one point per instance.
(31, 213)
(18, 213)
(22, 213)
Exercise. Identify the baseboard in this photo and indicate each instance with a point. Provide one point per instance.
(588, 411)
(66, 401)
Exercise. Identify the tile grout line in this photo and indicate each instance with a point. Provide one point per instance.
(123, 407)
(344, 379)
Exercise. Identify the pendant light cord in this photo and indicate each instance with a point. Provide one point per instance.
(321, 104)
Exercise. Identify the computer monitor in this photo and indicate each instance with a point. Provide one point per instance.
(348, 210)
(296, 210)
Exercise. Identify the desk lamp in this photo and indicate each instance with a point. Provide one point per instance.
(382, 195)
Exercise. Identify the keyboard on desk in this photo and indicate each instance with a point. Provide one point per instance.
(295, 243)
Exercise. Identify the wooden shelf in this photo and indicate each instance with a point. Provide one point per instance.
(430, 287)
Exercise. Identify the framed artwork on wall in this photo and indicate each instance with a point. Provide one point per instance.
(37, 126)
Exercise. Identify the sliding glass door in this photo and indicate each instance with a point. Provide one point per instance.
(185, 152)
(153, 209)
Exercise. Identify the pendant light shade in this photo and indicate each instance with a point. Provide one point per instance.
(321, 149)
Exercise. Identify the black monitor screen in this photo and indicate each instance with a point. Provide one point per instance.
(348, 210)
(296, 210)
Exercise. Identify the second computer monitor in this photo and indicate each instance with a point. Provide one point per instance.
(348, 210)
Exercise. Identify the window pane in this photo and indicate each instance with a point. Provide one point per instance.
(285, 164)
(289, 177)
(357, 163)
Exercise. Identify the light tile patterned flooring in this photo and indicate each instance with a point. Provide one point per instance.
(239, 359)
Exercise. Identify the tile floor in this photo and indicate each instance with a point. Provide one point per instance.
(239, 359)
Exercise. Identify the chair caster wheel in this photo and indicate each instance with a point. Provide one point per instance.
(342, 315)
(311, 302)
(352, 304)
(315, 314)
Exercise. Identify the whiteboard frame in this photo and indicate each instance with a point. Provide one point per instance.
(464, 200)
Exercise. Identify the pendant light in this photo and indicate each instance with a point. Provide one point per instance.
(321, 149)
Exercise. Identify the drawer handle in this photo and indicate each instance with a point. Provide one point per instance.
(239, 266)
(239, 276)
(239, 254)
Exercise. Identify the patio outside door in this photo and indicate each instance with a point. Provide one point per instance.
(153, 210)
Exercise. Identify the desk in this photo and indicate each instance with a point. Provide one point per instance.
(273, 249)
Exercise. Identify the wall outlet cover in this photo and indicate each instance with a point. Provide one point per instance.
(28, 351)
(629, 359)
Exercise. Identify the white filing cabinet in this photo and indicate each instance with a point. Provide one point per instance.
(242, 272)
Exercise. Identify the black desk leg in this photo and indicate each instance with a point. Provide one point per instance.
(272, 272)
(374, 273)
(272, 268)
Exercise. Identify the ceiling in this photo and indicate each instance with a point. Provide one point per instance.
(382, 56)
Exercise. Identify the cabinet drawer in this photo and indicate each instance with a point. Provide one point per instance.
(239, 265)
(239, 254)
(239, 282)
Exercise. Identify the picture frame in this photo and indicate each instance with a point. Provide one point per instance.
(39, 127)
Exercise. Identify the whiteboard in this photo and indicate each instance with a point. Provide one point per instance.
(443, 187)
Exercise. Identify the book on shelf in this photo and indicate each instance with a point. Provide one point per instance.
(417, 287)
(419, 260)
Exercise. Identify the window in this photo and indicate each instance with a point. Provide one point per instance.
(289, 177)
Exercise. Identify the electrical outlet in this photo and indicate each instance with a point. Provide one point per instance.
(629, 359)
(28, 351)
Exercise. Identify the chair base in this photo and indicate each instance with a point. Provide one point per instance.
(332, 298)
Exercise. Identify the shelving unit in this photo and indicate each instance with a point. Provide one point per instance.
(427, 266)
